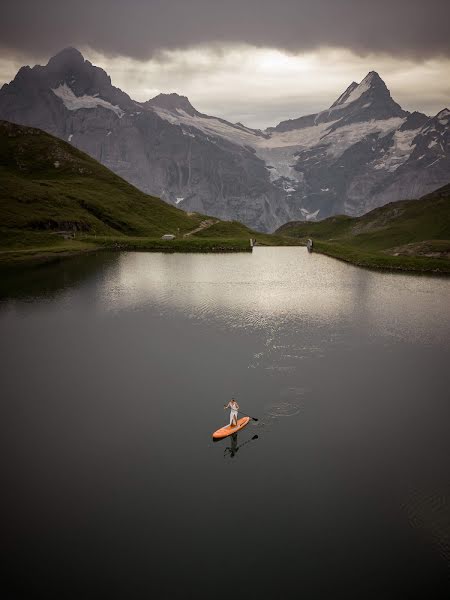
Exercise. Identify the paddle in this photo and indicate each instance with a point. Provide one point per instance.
(241, 413)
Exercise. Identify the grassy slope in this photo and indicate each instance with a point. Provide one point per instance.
(48, 186)
(409, 235)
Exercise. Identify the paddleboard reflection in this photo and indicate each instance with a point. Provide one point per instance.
(232, 450)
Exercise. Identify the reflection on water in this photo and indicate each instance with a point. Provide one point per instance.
(268, 288)
(275, 286)
(114, 372)
(231, 450)
(54, 280)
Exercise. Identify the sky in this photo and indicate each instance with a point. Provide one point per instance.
(254, 61)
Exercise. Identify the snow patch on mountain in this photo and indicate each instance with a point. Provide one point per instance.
(343, 97)
(298, 138)
(344, 137)
(359, 90)
(310, 216)
(72, 102)
(280, 164)
(399, 152)
(280, 148)
(208, 125)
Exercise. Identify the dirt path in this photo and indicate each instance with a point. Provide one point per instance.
(203, 225)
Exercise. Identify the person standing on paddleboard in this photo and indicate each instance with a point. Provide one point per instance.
(234, 406)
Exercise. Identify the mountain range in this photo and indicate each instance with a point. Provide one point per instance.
(361, 153)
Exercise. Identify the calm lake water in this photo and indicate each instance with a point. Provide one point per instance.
(114, 372)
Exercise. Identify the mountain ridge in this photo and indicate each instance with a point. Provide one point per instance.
(369, 99)
(358, 154)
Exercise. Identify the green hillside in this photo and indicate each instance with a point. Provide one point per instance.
(54, 199)
(408, 235)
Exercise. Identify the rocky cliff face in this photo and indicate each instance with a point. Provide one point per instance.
(362, 152)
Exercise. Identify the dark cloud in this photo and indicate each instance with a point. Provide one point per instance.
(139, 28)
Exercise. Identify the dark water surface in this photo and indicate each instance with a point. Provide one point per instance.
(114, 371)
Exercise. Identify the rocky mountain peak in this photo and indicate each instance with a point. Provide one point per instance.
(66, 77)
(441, 119)
(371, 86)
(414, 121)
(70, 67)
(372, 78)
(444, 114)
(69, 57)
(173, 102)
(366, 101)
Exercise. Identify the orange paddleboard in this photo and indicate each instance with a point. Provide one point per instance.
(227, 430)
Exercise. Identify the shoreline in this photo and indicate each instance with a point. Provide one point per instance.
(38, 256)
(386, 263)
(35, 253)
(15, 257)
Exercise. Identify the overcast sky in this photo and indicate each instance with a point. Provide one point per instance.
(256, 61)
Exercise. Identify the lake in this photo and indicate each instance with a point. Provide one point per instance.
(115, 369)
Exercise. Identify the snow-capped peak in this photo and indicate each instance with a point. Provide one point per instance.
(355, 90)
(369, 81)
(371, 78)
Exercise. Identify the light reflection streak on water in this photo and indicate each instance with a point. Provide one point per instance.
(278, 287)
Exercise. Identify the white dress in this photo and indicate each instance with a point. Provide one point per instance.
(233, 414)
